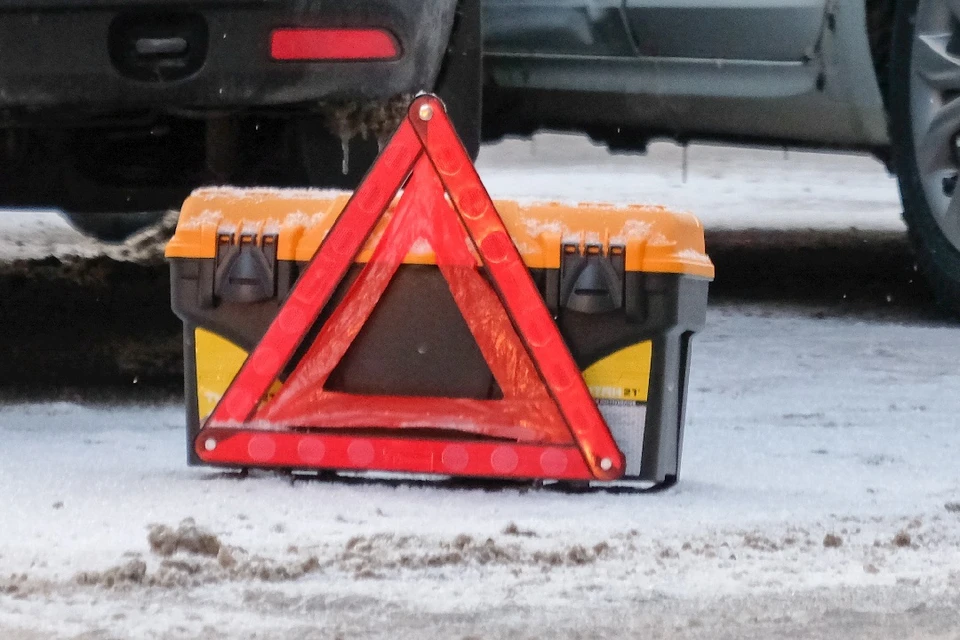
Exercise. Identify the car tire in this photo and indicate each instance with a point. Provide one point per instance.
(460, 85)
(113, 227)
(927, 187)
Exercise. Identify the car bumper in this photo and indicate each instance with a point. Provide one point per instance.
(57, 55)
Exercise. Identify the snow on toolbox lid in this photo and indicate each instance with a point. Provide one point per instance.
(655, 240)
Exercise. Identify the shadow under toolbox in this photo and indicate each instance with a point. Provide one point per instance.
(627, 287)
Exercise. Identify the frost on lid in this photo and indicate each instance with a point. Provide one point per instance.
(262, 194)
(660, 240)
(295, 219)
(271, 227)
(300, 219)
(256, 227)
(537, 227)
(227, 228)
(207, 216)
(523, 247)
(592, 237)
(635, 229)
(532, 202)
(693, 256)
(631, 230)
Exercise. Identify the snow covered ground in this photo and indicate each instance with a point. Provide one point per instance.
(819, 496)
(726, 187)
(799, 429)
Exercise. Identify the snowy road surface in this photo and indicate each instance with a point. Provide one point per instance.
(819, 497)
(799, 429)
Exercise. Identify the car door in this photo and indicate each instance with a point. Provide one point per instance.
(795, 71)
(770, 30)
(767, 30)
(556, 27)
(665, 47)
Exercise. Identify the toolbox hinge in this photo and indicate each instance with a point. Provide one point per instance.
(591, 277)
(246, 267)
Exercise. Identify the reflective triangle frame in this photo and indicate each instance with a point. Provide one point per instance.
(547, 426)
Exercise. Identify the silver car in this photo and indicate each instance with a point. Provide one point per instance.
(881, 76)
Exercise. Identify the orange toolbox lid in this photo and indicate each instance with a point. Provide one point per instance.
(655, 239)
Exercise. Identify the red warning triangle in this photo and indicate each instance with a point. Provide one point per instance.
(545, 400)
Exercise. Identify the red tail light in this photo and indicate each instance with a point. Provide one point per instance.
(333, 44)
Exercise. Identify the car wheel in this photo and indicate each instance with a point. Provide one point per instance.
(113, 227)
(924, 102)
(460, 84)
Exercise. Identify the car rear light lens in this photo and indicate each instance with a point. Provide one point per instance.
(333, 44)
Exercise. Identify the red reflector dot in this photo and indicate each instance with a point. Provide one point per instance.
(537, 333)
(372, 195)
(496, 246)
(266, 362)
(455, 458)
(344, 241)
(473, 203)
(238, 405)
(559, 378)
(448, 163)
(261, 448)
(306, 287)
(311, 450)
(360, 452)
(584, 418)
(553, 462)
(292, 318)
(504, 460)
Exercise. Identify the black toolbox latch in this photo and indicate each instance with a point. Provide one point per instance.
(246, 267)
(592, 277)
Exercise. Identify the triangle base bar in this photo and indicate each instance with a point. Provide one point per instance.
(490, 418)
(293, 450)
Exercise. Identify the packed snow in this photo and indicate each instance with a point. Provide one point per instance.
(819, 495)
(826, 463)
(726, 187)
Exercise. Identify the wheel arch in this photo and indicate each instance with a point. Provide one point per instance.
(880, 33)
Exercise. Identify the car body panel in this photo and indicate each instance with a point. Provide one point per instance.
(774, 30)
(563, 27)
(58, 54)
(809, 81)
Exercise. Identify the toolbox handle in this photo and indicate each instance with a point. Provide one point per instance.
(246, 268)
(591, 279)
